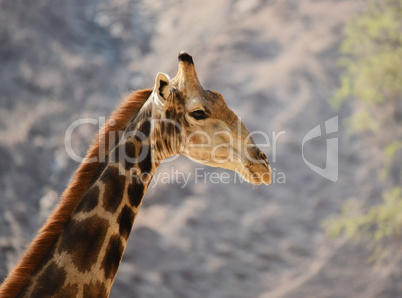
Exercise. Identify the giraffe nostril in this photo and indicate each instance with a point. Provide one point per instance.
(264, 157)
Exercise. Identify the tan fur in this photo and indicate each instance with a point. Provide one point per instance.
(71, 196)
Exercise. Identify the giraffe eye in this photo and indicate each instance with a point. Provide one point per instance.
(198, 115)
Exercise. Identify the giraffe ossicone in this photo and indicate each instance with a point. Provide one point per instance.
(78, 251)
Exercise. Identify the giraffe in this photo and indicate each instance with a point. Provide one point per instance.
(78, 251)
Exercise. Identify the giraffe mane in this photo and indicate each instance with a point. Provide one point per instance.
(74, 192)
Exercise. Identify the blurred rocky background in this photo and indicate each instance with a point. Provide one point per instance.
(276, 64)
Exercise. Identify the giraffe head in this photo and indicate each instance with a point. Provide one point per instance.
(204, 128)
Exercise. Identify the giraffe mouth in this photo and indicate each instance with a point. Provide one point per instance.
(257, 173)
(256, 170)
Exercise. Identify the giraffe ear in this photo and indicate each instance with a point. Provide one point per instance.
(162, 88)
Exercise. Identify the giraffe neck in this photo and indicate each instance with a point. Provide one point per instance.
(87, 254)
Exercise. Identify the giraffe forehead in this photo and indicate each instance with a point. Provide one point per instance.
(207, 99)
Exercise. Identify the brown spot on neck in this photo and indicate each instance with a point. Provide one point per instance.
(95, 289)
(50, 282)
(113, 189)
(83, 241)
(90, 200)
(135, 191)
(113, 255)
(125, 221)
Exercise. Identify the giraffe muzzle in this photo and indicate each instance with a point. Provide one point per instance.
(257, 170)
